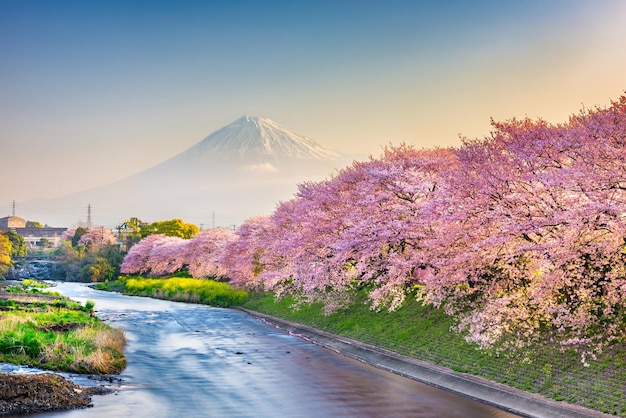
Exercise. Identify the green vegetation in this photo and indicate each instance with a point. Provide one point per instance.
(5, 254)
(423, 332)
(85, 263)
(54, 333)
(11, 246)
(19, 248)
(34, 224)
(31, 283)
(181, 289)
(31, 286)
(172, 228)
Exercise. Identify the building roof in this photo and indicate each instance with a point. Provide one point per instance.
(12, 222)
(12, 218)
(39, 232)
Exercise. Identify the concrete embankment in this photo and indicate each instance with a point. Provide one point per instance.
(492, 393)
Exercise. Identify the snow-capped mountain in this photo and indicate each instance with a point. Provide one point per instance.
(249, 145)
(255, 139)
(242, 170)
(253, 145)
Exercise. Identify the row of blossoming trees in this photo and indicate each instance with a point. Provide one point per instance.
(518, 235)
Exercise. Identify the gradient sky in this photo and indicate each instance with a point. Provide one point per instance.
(94, 91)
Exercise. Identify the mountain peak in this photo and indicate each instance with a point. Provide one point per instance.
(246, 119)
(249, 118)
(257, 139)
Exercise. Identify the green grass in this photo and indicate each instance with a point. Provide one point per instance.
(181, 289)
(34, 283)
(59, 335)
(423, 332)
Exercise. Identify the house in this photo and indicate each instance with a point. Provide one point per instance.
(41, 237)
(128, 233)
(34, 237)
(12, 222)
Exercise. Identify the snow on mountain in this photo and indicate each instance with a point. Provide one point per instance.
(252, 138)
(242, 170)
(250, 150)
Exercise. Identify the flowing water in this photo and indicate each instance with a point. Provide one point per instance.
(187, 360)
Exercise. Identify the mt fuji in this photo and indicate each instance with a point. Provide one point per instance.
(239, 171)
(254, 145)
(254, 139)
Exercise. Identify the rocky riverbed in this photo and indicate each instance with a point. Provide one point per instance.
(29, 393)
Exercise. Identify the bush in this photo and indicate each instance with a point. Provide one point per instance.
(182, 289)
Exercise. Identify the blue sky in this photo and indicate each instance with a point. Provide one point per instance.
(93, 91)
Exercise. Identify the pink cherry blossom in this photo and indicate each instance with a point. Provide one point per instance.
(202, 253)
(96, 237)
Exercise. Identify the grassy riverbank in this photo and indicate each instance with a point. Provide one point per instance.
(180, 289)
(424, 333)
(45, 330)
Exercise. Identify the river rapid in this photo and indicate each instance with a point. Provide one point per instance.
(187, 360)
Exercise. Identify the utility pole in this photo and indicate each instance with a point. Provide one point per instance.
(119, 237)
(13, 209)
(213, 220)
(89, 215)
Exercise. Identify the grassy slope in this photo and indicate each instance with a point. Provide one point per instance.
(52, 332)
(424, 333)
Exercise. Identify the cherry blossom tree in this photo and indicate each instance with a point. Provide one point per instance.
(530, 232)
(203, 252)
(242, 257)
(278, 249)
(162, 255)
(385, 229)
(138, 258)
(167, 255)
(360, 227)
(74, 234)
(298, 251)
(96, 237)
(68, 234)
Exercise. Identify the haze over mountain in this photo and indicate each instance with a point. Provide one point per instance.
(239, 171)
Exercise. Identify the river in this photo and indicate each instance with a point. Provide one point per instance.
(187, 360)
